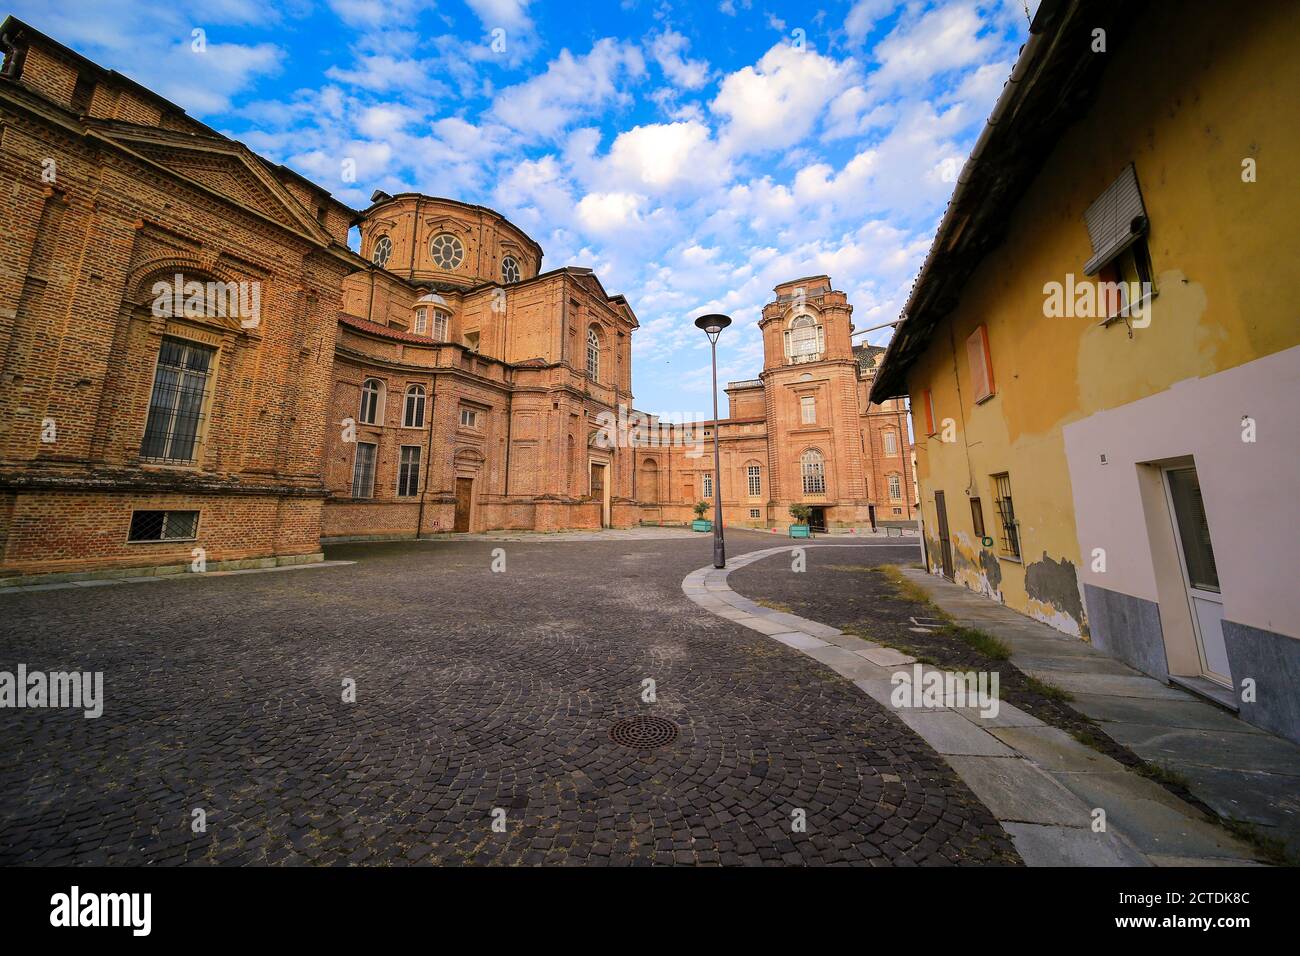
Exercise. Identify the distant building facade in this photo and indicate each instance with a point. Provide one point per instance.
(196, 372)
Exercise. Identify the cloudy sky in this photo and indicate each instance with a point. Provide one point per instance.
(694, 154)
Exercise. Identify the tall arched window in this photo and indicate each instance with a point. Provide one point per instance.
(593, 355)
(813, 469)
(413, 411)
(372, 402)
(804, 339)
(895, 488)
(754, 480)
(891, 443)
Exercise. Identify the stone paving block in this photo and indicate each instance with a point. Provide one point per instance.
(951, 733)
(886, 656)
(1071, 846)
(1194, 714)
(799, 640)
(1252, 752)
(881, 690)
(1160, 860)
(762, 625)
(1054, 749)
(1014, 789)
(1008, 715)
(1142, 687)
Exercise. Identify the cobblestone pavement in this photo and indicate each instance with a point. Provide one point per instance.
(475, 692)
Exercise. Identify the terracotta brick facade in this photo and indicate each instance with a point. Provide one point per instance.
(474, 388)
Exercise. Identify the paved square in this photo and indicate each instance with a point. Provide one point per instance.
(479, 696)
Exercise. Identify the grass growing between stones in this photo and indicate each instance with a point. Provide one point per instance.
(988, 645)
(776, 606)
(1050, 691)
(909, 590)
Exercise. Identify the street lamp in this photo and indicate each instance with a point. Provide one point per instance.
(713, 326)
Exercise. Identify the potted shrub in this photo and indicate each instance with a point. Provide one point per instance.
(700, 523)
(800, 528)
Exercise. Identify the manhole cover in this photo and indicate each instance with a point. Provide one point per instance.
(643, 733)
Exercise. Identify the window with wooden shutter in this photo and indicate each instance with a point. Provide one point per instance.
(981, 365)
(927, 406)
(1116, 219)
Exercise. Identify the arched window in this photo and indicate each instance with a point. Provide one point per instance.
(413, 411)
(440, 321)
(372, 402)
(895, 488)
(593, 355)
(446, 251)
(509, 269)
(891, 444)
(383, 249)
(804, 339)
(813, 469)
(754, 480)
(421, 321)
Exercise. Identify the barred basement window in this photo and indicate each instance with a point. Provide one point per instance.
(755, 513)
(755, 482)
(163, 526)
(363, 471)
(408, 472)
(177, 403)
(1009, 539)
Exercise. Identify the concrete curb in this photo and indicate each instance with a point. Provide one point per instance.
(1012, 762)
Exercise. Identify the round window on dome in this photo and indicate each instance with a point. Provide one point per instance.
(383, 249)
(446, 251)
(509, 269)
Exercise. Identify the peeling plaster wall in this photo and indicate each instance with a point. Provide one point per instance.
(1186, 112)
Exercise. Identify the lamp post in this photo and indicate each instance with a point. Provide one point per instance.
(713, 326)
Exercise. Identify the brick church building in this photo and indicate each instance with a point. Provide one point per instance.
(197, 371)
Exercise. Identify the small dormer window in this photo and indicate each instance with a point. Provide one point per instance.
(421, 321)
(382, 251)
(509, 270)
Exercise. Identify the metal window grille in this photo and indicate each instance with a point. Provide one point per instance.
(408, 472)
(178, 401)
(1009, 539)
(163, 525)
(413, 415)
(363, 471)
(755, 481)
(814, 473)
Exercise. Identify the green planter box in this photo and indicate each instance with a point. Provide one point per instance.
(800, 531)
(699, 524)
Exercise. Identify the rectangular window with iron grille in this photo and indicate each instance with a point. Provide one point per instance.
(408, 472)
(163, 526)
(178, 402)
(363, 471)
(1009, 539)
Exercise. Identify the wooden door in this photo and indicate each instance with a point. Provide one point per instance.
(464, 489)
(945, 544)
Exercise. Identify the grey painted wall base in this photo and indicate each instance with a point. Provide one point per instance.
(1127, 628)
(1273, 661)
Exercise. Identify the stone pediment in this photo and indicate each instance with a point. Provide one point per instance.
(220, 166)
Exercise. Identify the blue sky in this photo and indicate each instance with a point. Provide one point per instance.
(694, 154)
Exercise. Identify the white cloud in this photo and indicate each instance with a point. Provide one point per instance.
(570, 88)
(864, 15)
(777, 102)
(668, 49)
(603, 212)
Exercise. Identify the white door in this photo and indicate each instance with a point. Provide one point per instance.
(1200, 574)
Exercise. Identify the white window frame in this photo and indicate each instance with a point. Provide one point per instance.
(593, 354)
(421, 320)
(439, 244)
(808, 409)
(376, 402)
(895, 487)
(754, 480)
(414, 391)
(812, 469)
(441, 322)
(707, 485)
(468, 417)
(890, 441)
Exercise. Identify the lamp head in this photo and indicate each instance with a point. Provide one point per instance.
(713, 324)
